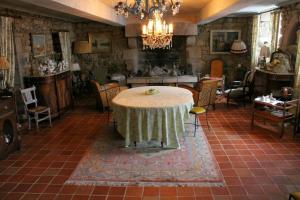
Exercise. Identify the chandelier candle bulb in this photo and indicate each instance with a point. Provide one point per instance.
(144, 29)
(171, 28)
(150, 26)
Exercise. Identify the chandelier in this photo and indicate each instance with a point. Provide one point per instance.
(157, 34)
(146, 8)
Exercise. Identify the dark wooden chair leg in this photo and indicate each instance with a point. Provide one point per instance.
(227, 101)
(195, 125)
(206, 117)
(282, 129)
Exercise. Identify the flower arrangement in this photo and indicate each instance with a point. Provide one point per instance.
(49, 66)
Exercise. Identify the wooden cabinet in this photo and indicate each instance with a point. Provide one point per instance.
(53, 90)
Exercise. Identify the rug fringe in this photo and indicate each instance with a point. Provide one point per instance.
(145, 184)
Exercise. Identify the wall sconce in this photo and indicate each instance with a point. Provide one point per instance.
(238, 47)
(4, 67)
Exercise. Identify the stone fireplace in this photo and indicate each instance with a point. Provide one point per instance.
(183, 55)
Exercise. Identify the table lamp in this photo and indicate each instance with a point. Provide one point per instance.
(75, 67)
(238, 47)
(4, 66)
(82, 47)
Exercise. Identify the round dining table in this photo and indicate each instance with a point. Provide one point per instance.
(160, 116)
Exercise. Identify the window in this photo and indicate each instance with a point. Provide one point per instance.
(267, 35)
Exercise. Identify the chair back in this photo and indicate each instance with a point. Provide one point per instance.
(216, 68)
(29, 96)
(111, 90)
(96, 88)
(207, 95)
(247, 78)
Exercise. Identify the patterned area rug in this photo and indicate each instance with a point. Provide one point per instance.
(107, 162)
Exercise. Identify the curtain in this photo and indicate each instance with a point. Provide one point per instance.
(65, 43)
(297, 68)
(7, 48)
(275, 17)
(254, 45)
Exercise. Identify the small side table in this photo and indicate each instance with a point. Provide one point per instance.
(276, 111)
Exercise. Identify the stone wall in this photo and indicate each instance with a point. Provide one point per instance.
(231, 61)
(102, 63)
(99, 63)
(26, 24)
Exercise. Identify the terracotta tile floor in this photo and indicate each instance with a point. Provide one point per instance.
(256, 164)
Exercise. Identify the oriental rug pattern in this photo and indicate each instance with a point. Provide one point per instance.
(108, 163)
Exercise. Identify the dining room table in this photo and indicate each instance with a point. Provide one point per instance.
(158, 113)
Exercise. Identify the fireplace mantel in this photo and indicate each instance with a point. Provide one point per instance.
(142, 81)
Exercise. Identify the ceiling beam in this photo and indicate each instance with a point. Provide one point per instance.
(90, 9)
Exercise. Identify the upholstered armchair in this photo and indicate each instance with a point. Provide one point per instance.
(240, 90)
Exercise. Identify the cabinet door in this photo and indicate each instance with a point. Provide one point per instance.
(63, 89)
(46, 96)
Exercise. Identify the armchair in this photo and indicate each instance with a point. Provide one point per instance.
(105, 93)
(240, 90)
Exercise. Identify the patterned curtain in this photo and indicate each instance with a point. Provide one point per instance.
(65, 43)
(7, 47)
(275, 17)
(297, 68)
(254, 45)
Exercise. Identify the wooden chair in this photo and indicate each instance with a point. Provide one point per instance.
(33, 111)
(205, 99)
(240, 90)
(97, 94)
(216, 68)
(104, 95)
(216, 73)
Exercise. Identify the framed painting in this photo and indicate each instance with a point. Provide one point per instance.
(100, 42)
(38, 43)
(221, 40)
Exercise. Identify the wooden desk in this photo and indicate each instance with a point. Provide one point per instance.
(267, 81)
(266, 109)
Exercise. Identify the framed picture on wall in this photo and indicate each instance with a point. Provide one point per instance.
(38, 44)
(221, 40)
(101, 42)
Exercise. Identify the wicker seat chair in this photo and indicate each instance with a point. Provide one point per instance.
(32, 109)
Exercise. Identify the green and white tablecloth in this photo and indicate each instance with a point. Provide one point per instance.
(142, 117)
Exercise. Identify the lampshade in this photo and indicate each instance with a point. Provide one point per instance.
(265, 52)
(81, 47)
(4, 64)
(75, 67)
(238, 47)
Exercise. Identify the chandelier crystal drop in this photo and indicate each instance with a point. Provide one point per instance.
(146, 8)
(157, 33)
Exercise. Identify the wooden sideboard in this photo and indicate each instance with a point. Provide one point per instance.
(267, 81)
(53, 90)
